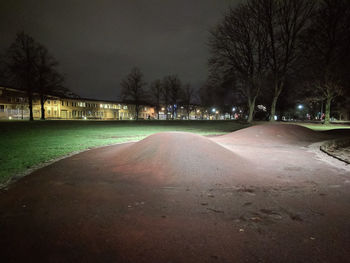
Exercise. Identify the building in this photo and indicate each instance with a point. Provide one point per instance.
(14, 105)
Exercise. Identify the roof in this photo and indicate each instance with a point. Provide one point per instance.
(79, 98)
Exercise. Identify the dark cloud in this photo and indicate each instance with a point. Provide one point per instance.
(98, 42)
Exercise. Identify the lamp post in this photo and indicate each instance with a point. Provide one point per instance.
(213, 111)
(300, 109)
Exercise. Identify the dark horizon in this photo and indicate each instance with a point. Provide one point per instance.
(97, 43)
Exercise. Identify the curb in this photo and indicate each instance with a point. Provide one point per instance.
(324, 145)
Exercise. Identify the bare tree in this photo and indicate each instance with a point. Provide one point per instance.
(20, 59)
(188, 94)
(48, 80)
(2, 70)
(133, 89)
(239, 51)
(283, 21)
(156, 93)
(172, 86)
(326, 51)
(166, 95)
(218, 88)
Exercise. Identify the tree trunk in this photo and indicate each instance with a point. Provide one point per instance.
(278, 89)
(42, 102)
(137, 111)
(273, 108)
(251, 104)
(158, 113)
(166, 109)
(30, 102)
(327, 116)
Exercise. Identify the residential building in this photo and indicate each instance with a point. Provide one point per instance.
(14, 105)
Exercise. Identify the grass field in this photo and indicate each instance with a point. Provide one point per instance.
(25, 144)
(321, 127)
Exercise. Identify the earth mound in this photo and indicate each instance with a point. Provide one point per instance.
(337, 133)
(271, 134)
(179, 157)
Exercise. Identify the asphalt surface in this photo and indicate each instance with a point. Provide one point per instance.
(262, 194)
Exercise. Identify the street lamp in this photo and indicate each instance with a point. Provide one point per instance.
(213, 110)
(300, 106)
(233, 109)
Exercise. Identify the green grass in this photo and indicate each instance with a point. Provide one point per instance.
(25, 144)
(313, 126)
(322, 127)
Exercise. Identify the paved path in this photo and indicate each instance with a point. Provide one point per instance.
(82, 209)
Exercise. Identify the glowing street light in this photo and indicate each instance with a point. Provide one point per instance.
(233, 109)
(213, 110)
(300, 107)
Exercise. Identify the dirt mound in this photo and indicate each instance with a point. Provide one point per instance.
(178, 157)
(273, 133)
(337, 133)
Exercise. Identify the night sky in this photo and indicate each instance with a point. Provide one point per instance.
(98, 42)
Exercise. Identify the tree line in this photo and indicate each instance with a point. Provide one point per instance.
(29, 66)
(264, 48)
(169, 92)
